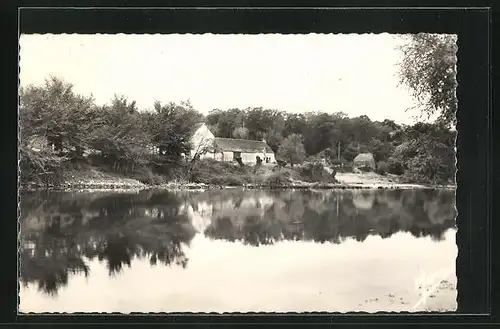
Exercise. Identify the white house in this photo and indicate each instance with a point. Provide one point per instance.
(202, 141)
(206, 145)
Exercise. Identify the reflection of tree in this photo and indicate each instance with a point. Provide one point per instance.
(333, 216)
(60, 232)
(50, 265)
(222, 228)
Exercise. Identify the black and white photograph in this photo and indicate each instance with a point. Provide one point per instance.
(237, 173)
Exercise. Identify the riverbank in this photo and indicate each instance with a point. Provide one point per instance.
(95, 180)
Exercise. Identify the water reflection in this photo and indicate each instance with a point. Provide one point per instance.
(328, 216)
(62, 232)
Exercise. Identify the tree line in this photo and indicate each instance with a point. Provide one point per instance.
(127, 139)
(69, 128)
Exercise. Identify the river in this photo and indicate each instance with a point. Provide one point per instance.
(238, 250)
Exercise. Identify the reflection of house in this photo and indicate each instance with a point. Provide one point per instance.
(206, 145)
(363, 199)
(250, 205)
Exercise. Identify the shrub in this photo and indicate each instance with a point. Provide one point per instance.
(341, 165)
(210, 171)
(146, 176)
(281, 162)
(278, 178)
(395, 167)
(276, 168)
(382, 168)
(337, 162)
(328, 154)
(314, 159)
(347, 168)
(233, 181)
(157, 180)
(315, 172)
(215, 180)
(42, 168)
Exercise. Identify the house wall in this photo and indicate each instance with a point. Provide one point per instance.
(202, 137)
(247, 157)
(272, 159)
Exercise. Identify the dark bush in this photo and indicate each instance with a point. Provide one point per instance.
(146, 176)
(281, 163)
(316, 172)
(341, 165)
(382, 168)
(234, 181)
(41, 168)
(278, 178)
(337, 162)
(395, 167)
(328, 154)
(215, 180)
(210, 171)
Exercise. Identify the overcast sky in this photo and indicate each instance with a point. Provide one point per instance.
(352, 73)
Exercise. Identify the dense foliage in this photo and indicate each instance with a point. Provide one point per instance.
(429, 69)
(423, 152)
(292, 149)
(66, 128)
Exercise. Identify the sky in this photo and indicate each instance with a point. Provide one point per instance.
(351, 73)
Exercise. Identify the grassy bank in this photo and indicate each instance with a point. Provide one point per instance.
(207, 173)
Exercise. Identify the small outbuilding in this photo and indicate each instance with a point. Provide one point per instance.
(364, 160)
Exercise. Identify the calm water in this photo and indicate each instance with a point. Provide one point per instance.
(237, 251)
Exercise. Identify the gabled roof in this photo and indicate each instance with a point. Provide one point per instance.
(241, 145)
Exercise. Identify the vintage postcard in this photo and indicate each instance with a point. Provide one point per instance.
(237, 173)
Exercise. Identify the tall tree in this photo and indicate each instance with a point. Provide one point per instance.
(173, 127)
(240, 132)
(427, 153)
(229, 121)
(292, 149)
(253, 118)
(295, 124)
(55, 112)
(429, 69)
(119, 134)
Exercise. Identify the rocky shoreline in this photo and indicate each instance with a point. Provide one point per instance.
(132, 185)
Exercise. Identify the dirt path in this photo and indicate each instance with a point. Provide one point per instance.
(372, 179)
